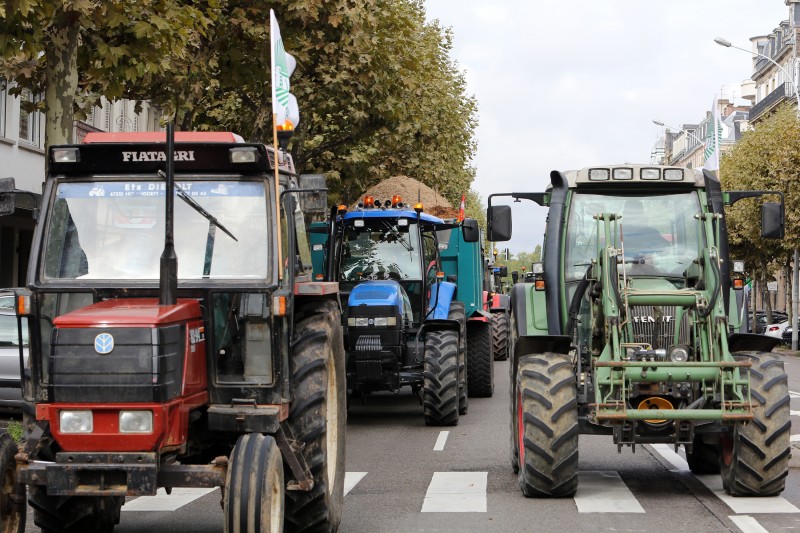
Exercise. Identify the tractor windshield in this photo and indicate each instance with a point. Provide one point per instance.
(380, 249)
(659, 233)
(115, 230)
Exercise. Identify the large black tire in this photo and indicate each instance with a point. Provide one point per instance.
(74, 514)
(253, 500)
(547, 426)
(457, 313)
(500, 332)
(318, 416)
(755, 456)
(480, 359)
(440, 379)
(704, 457)
(13, 510)
(512, 404)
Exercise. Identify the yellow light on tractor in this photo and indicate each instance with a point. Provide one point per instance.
(279, 305)
(738, 284)
(418, 208)
(655, 402)
(396, 200)
(342, 209)
(538, 284)
(286, 126)
(369, 201)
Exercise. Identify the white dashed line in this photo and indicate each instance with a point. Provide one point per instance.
(748, 524)
(667, 452)
(351, 479)
(167, 502)
(456, 492)
(604, 492)
(747, 504)
(440, 441)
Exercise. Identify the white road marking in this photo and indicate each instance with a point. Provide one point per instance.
(456, 492)
(794, 413)
(794, 438)
(351, 479)
(167, 502)
(667, 452)
(604, 492)
(747, 504)
(794, 394)
(748, 524)
(440, 441)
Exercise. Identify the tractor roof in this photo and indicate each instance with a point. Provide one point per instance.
(627, 174)
(391, 213)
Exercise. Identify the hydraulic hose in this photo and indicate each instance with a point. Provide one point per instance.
(575, 304)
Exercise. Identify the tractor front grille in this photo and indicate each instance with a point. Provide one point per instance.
(646, 319)
(368, 343)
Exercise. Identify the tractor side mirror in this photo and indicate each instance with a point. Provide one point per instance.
(498, 221)
(470, 230)
(7, 203)
(772, 223)
(317, 201)
(503, 271)
(514, 276)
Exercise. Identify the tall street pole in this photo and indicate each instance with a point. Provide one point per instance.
(795, 274)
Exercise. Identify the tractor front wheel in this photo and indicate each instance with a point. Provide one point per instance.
(547, 426)
(317, 416)
(253, 498)
(704, 457)
(500, 331)
(755, 456)
(480, 359)
(13, 510)
(457, 313)
(440, 379)
(74, 514)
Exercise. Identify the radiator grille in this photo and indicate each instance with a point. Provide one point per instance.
(644, 319)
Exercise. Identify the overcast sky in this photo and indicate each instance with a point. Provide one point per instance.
(566, 85)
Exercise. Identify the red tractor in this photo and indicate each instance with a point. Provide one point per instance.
(177, 339)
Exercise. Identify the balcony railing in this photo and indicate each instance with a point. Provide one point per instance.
(783, 92)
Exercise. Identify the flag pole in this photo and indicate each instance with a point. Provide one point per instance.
(277, 193)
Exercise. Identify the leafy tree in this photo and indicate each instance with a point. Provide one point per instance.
(766, 158)
(378, 93)
(74, 51)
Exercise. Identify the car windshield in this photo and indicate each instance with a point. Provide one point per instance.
(659, 233)
(381, 249)
(8, 331)
(115, 230)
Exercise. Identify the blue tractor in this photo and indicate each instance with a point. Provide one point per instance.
(403, 323)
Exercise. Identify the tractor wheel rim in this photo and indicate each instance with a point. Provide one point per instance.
(276, 509)
(727, 449)
(332, 425)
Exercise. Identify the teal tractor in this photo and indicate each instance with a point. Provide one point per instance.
(628, 329)
(407, 317)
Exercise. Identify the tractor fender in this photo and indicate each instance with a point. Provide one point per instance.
(529, 308)
(743, 342)
(501, 303)
(441, 295)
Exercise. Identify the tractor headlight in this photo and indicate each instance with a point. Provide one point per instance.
(679, 354)
(135, 421)
(381, 321)
(76, 422)
(362, 321)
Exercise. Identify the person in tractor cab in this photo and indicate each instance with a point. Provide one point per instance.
(638, 237)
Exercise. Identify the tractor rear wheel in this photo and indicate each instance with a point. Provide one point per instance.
(480, 359)
(755, 456)
(500, 331)
(704, 458)
(253, 499)
(440, 379)
(317, 416)
(457, 313)
(13, 510)
(74, 514)
(547, 426)
(512, 405)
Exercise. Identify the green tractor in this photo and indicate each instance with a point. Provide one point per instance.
(628, 328)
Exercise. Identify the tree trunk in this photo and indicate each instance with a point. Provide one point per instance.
(62, 80)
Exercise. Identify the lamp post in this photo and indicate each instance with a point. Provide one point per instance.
(795, 274)
(659, 123)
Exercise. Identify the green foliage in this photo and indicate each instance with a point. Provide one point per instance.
(14, 429)
(766, 158)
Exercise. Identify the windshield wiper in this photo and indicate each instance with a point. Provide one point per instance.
(199, 208)
(397, 235)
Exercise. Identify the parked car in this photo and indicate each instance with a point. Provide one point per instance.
(776, 329)
(786, 337)
(10, 382)
(761, 320)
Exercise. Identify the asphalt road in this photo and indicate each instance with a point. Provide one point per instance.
(404, 476)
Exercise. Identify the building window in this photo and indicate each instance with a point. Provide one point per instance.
(28, 121)
(3, 94)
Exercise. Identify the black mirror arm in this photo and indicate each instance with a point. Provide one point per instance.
(538, 197)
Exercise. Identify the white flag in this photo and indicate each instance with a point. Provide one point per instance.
(284, 105)
(713, 138)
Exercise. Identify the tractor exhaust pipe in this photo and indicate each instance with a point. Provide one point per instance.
(168, 280)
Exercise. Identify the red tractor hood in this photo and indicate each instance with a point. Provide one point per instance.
(142, 312)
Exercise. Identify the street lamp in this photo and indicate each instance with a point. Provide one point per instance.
(795, 274)
(659, 123)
